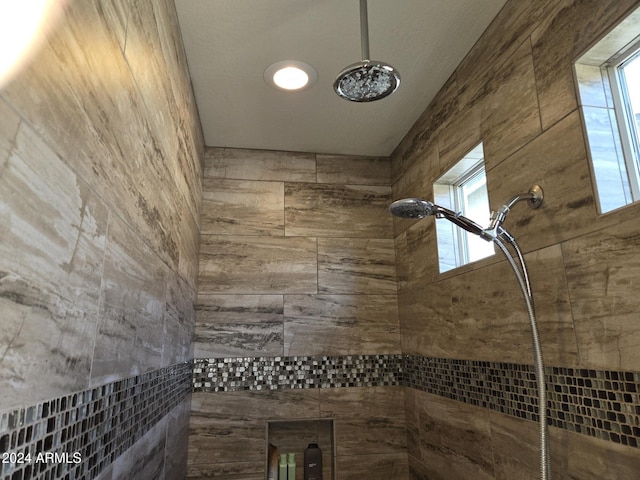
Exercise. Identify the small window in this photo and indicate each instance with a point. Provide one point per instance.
(608, 78)
(463, 189)
(624, 76)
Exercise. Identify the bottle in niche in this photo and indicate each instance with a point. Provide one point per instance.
(313, 462)
(291, 466)
(282, 467)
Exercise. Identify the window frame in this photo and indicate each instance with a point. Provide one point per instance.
(614, 173)
(628, 129)
(453, 241)
(459, 201)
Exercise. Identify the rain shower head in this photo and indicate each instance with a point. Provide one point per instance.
(368, 80)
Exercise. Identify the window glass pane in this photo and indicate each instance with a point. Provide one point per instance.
(476, 207)
(631, 75)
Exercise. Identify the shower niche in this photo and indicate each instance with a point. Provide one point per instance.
(294, 436)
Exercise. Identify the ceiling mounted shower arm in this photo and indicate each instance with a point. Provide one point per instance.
(364, 31)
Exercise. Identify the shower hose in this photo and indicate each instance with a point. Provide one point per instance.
(523, 280)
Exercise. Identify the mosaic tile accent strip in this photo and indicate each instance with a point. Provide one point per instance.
(601, 404)
(598, 403)
(79, 435)
(271, 373)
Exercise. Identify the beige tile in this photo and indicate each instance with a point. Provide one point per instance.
(425, 131)
(356, 266)
(420, 471)
(132, 304)
(504, 116)
(565, 32)
(462, 134)
(353, 170)
(240, 207)
(340, 324)
(231, 426)
(51, 249)
(427, 326)
(177, 433)
(557, 161)
(239, 325)
(179, 322)
(491, 317)
(227, 471)
(367, 420)
(9, 125)
(506, 34)
(593, 459)
(373, 467)
(145, 459)
(417, 180)
(602, 271)
(455, 438)
(510, 114)
(337, 210)
(417, 242)
(243, 164)
(516, 448)
(257, 265)
(80, 93)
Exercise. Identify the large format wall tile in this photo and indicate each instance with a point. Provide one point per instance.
(351, 266)
(503, 125)
(242, 164)
(100, 191)
(94, 117)
(327, 210)
(231, 427)
(237, 207)
(130, 330)
(349, 170)
(51, 248)
(428, 328)
(566, 31)
(454, 438)
(340, 324)
(516, 447)
(258, 265)
(490, 316)
(382, 466)
(368, 420)
(557, 161)
(179, 322)
(602, 276)
(515, 92)
(239, 325)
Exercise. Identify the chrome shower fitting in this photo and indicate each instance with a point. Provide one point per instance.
(418, 208)
(368, 80)
(534, 198)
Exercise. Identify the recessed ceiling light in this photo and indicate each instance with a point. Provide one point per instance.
(290, 75)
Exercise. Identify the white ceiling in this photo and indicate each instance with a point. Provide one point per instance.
(229, 44)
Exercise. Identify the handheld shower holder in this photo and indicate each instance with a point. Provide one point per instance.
(534, 198)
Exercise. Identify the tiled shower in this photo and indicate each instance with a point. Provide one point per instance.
(163, 303)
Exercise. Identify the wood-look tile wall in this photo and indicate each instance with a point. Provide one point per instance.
(297, 258)
(515, 92)
(100, 191)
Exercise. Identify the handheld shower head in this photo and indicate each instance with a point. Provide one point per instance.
(412, 208)
(418, 208)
